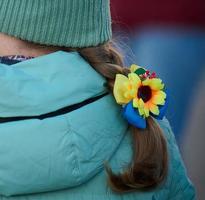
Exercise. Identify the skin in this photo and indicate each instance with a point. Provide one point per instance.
(13, 46)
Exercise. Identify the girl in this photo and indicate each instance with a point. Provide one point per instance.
(63, 134)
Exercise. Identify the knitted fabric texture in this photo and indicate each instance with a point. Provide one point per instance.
(69, 23)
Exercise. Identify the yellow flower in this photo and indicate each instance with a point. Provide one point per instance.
(146, 94)
(125, 88)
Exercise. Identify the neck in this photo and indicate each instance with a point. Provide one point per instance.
(14, 46)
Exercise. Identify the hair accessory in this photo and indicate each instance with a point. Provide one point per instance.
(141, 94)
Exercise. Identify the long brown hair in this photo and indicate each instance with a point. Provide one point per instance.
(150, 161)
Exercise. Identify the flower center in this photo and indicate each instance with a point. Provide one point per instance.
(145, 93)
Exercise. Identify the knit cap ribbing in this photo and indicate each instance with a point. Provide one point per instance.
(69, 23)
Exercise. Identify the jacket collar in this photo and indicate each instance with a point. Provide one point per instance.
(47, 83)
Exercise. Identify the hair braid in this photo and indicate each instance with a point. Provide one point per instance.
(150, 160)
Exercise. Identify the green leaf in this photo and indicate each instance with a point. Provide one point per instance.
(140, 71)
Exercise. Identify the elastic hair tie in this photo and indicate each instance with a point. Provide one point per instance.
(141, 94)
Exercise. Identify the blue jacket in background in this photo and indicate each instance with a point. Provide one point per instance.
(62, 157)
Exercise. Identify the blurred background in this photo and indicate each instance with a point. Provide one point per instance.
(168, 37)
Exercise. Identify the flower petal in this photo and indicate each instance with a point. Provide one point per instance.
(133, 68)
(120, 89)
(141, 111)
(146, 111)
(135, 103)
(134, 79)
(141, 103)
(154, 83)
(141, 108)
(158, 98)
(163, 109)
(154, 109)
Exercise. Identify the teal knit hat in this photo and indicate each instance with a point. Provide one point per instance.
(69, 23)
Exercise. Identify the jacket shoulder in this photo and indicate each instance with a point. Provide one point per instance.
(177, 186)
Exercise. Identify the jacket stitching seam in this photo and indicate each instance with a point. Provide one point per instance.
(76, 168)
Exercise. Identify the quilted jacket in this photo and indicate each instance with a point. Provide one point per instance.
(50, 153)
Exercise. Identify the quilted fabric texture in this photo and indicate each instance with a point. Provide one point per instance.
(62, 157)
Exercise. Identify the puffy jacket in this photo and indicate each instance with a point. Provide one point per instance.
(53, 146)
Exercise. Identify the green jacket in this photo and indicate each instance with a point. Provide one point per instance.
(61, 156)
